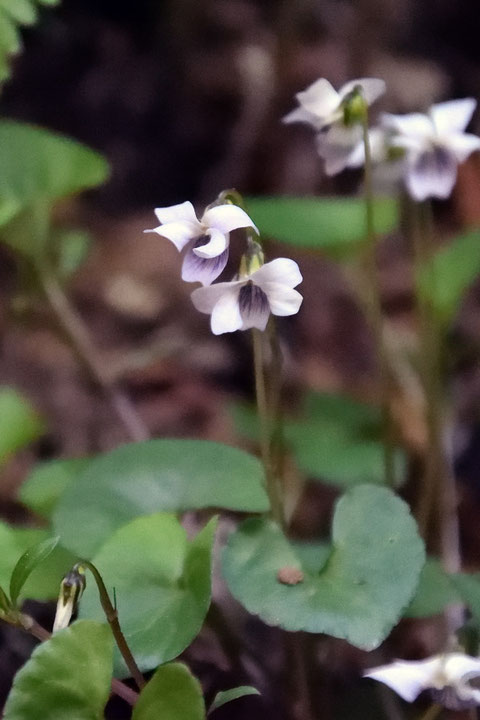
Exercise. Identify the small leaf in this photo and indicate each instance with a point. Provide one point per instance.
(22, 12)
(27, 563)
(157, 475)
(19, 423)
(335, 226)
(5, 604)
(361, 591)
(226, 696)
(162, 584)
(47, 482)
(171, 694)
(67, 676)
(468, 587)
(455, 267)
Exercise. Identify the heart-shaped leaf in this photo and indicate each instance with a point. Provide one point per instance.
(157, 475)
(162, 586)
(46, 483)
(171, 694)
(360, 593)
(67, 676)
(336, 226)
(435, 591)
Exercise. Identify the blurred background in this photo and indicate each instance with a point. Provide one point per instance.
(185, 99)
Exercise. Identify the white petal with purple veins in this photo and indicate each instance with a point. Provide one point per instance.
(452, 116)
(203, 270)
(254, 307)
(432, 174)
(206, 298)
(216, 244)
(227, 218)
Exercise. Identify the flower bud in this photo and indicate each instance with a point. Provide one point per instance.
(354, 107)
(71, 590)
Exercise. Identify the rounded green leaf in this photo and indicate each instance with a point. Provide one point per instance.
(162, 586)
(157, 475)
(335, 226)
(20, 424)
(171, 694)
(67, 676)
(40, 165)
(359, 594)
(435, 591)
(41, 490)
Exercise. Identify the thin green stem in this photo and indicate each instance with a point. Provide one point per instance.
(112, 617)
(374, 308)
(272, 488)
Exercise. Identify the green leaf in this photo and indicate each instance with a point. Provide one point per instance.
(47, 482)
(73, 248)
(22, 12)
(44, 581)
(455, 267)
(157, 475)
(360, 592)
(20, 424)
(226, 696)
(5, 604)
(171, 694)
(67, 676)
(27, 563)
(335, 226)
(162, 585)
(468, 587)
(435, 591)
(38, 165)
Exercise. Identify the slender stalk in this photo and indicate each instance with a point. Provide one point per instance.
(265, 428)
(112, 616)
(374, 307)
(31, 626)
(79, 338)
(432, 712)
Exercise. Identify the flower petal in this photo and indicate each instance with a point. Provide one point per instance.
(254, 307)
(457, 665)
(227, 218)
(432, 174)
(452, 116)
(226, 313)
(177, 213)
(203, 270)
(320, 98)
(408, 679)
(205, 298)
(282, 299)
(462, 145)
(216, 245)
(179, 233)
(305, 116)
(372, 88)
(415, 125)
(281, 270)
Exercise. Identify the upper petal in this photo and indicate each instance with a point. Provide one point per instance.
(217, 244)
(227, 218)
(281, 270)
(226, 313)
(408, 679)
(282, 299)
(320, 98)
(300, 114)
(206, 298)
(452, 116)
(416, 125)
(179, 233)
(462, 145)
(372, 88)
(174, 213)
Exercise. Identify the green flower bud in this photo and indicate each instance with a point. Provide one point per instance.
(71, 590)
(355, 107)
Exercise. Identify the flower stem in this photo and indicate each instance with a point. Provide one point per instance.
(432, 712)
(264, 415)
(112, 616)
(374, 308)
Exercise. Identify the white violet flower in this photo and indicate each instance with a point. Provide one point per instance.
(435, 144)
(205, 241)
(447, 676)
(247, 302)
(322, 106)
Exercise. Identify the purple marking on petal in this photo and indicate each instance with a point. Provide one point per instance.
(254, 306)
(449, 698)
(203, 270)
(433, 174)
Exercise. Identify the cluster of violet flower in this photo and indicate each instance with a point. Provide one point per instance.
(420, 150)
(259, 289)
